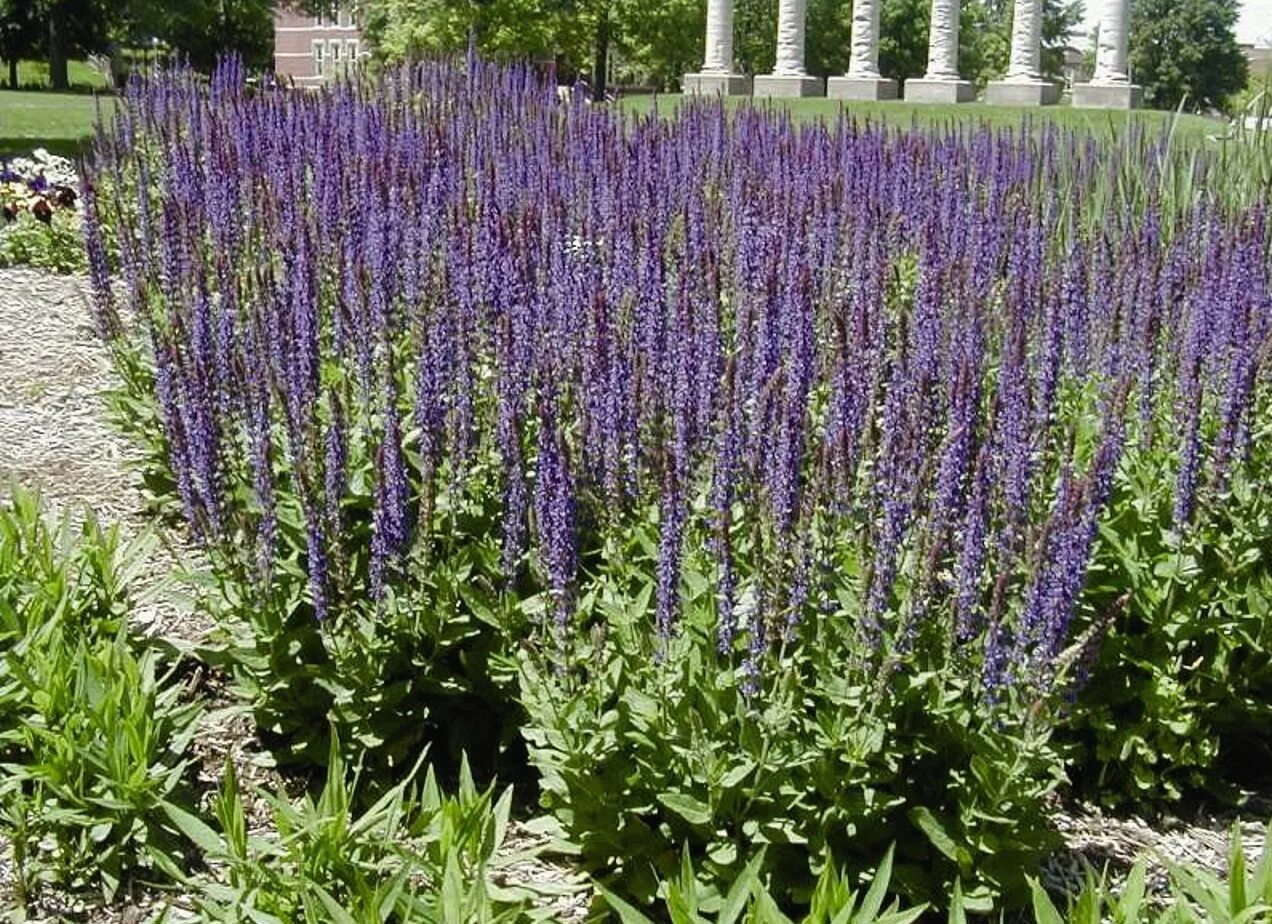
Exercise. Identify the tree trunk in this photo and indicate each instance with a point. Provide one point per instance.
(600, 68)
(59, 78)
(13, 70)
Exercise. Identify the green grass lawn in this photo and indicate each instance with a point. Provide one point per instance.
(35, 75)
(60, 122)
(905, 115)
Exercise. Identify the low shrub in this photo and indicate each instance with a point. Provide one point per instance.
(1244, 895)
(834, 900)
(1178, 704)
(643, 745)
(386, 676)
(53, 245)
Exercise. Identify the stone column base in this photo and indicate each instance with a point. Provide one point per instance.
(861, 88)
(1022, 93)
(1107, 96)
(923, 90)
(789, 87)
(715, 85)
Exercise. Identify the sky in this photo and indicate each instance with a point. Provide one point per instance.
(1254, 26)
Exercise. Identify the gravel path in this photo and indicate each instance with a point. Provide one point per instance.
(55, 436)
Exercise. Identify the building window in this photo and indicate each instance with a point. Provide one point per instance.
(320, 49)
(342, 18)
(351, 51)
(318, 21)
(337, 57)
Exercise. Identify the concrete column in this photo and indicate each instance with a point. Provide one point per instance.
(1026, 41)
(1024, 84)
(1111, 87)
(717, 77)
(863, 80)
(789, 78)
(943, 41)
(1110, 52)
(941, 83)
(719, 52)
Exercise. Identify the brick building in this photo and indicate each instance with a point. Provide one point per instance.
(311, 49)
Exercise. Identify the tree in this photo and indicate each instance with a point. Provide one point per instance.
(54, 29)
(20, 35)
(72, 28)
(1185, 51)
(657, 42)
(200, 31)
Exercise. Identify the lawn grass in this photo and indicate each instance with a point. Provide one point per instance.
(905, 115)
(59, 122)
(34, 75)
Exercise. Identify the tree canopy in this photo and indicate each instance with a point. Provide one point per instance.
(195, 30)
(656, 42)
(1186, 51)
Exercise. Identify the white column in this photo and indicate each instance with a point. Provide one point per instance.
(1110, 86)
(943, 41)
(719, 52)
(1026, 41)
(790, 39)
(864, 61)
(717, 77)
(1110, 52)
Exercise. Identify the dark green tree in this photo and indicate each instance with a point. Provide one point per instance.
(20, 35)
(199, 31)
(56, 30)
(1185, 51)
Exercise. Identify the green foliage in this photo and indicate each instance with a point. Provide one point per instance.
(92, 735)
(1185, 52)
(1182, 685)
(657, 43)
(54, 246)
(1243, 897)
(834, 900)
(642, 750)
(415, 855)
(200, 30)
(387, 677)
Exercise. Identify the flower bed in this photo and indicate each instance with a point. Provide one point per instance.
(807, 489)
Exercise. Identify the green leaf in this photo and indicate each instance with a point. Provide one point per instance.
(901, 917)
(337, 914)
(197, 830)
(922, 817)
(627, 914)
(957, 913)
(740, 891)
(878, 890)
(1044, 909)
(687, 807)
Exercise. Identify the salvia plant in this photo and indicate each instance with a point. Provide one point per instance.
(697, 429)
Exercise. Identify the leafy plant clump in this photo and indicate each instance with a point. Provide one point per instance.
(741, 456)
(93, 734)
(414, 855)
